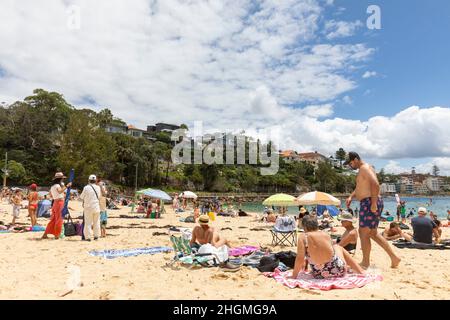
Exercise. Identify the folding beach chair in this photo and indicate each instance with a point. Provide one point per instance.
(185, 254)
(284, 238)
(284, 233)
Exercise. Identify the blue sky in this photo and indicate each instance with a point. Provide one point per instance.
(310, 72)
(411, 59)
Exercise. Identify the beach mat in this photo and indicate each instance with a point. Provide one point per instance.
(112, 254)
(421, 246)
(242, 251)
(306, 280)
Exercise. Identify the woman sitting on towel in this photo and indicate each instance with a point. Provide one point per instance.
(393, 232)
(326, 259)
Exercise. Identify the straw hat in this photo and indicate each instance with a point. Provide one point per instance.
(203, 220)
(302, 210)
(59, 175)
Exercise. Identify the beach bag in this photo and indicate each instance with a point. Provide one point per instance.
(212, 216)
(268, 263)
(70, 228)
(79, 229)
(287, 257)
(221, 253)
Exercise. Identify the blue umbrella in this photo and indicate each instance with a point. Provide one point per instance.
(331, 209)
(158, 194)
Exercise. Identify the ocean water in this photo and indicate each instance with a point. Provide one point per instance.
(438, 205)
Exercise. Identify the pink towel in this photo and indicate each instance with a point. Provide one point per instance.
(306, 281)
(241, 251)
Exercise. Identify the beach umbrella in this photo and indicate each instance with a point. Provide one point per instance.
(280, 199)
(331, 209)
(188, 195)
(143, 190)
(317, 197)
(158, 194)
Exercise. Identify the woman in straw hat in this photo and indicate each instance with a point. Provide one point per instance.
(57, 192)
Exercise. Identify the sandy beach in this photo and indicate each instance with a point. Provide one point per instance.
(39, 269)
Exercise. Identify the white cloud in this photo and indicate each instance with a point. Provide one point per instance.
(174, 59)
(443, 163)
(318, 111)
(339, 29)
(232, 64)
(347, 100)
(369, 74)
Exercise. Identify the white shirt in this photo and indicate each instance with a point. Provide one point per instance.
(54, 192)
(90, 199)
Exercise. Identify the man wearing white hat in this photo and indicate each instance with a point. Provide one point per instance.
(424, 228)
(91, 204)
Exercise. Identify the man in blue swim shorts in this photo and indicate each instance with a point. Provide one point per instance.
(367, 191)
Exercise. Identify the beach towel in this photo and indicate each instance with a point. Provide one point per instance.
(242, 251)
(306, 280)
(422, 246)
(112, 254)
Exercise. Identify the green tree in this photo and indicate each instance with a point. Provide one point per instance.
(16, 171)
(326, 177)
(381, 176)
(87, 149)
(340, 155)
(435, 170)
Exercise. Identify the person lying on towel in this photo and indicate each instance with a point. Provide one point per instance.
(325, 259)
(204, 234)
(393, 232)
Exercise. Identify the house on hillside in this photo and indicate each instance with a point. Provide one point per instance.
(313, 158)
(115, 128)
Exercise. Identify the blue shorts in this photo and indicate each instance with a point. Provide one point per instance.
(368, 219)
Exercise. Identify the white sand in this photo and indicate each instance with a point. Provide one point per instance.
(39, 269)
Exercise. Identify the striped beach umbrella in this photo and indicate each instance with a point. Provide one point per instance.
(316, 198)
(280, 199)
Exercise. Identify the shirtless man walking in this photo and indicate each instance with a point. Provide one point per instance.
(371, 205)
(204, 234)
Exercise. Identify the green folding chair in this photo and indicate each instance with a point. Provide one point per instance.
(185, 255)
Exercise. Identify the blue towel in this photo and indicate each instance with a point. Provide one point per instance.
(111, 254)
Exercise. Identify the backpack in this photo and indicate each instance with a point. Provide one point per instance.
(268, 263)
(287, 257)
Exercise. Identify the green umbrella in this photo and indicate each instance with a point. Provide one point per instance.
(281, 199)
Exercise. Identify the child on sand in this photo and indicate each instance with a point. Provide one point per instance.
(16, 203)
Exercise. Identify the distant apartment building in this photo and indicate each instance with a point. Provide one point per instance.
(386, 188)
(420, 188)
(433, 183)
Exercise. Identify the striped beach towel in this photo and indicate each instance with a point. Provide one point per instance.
(112, 254)
(242, 251)
(306, 280)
